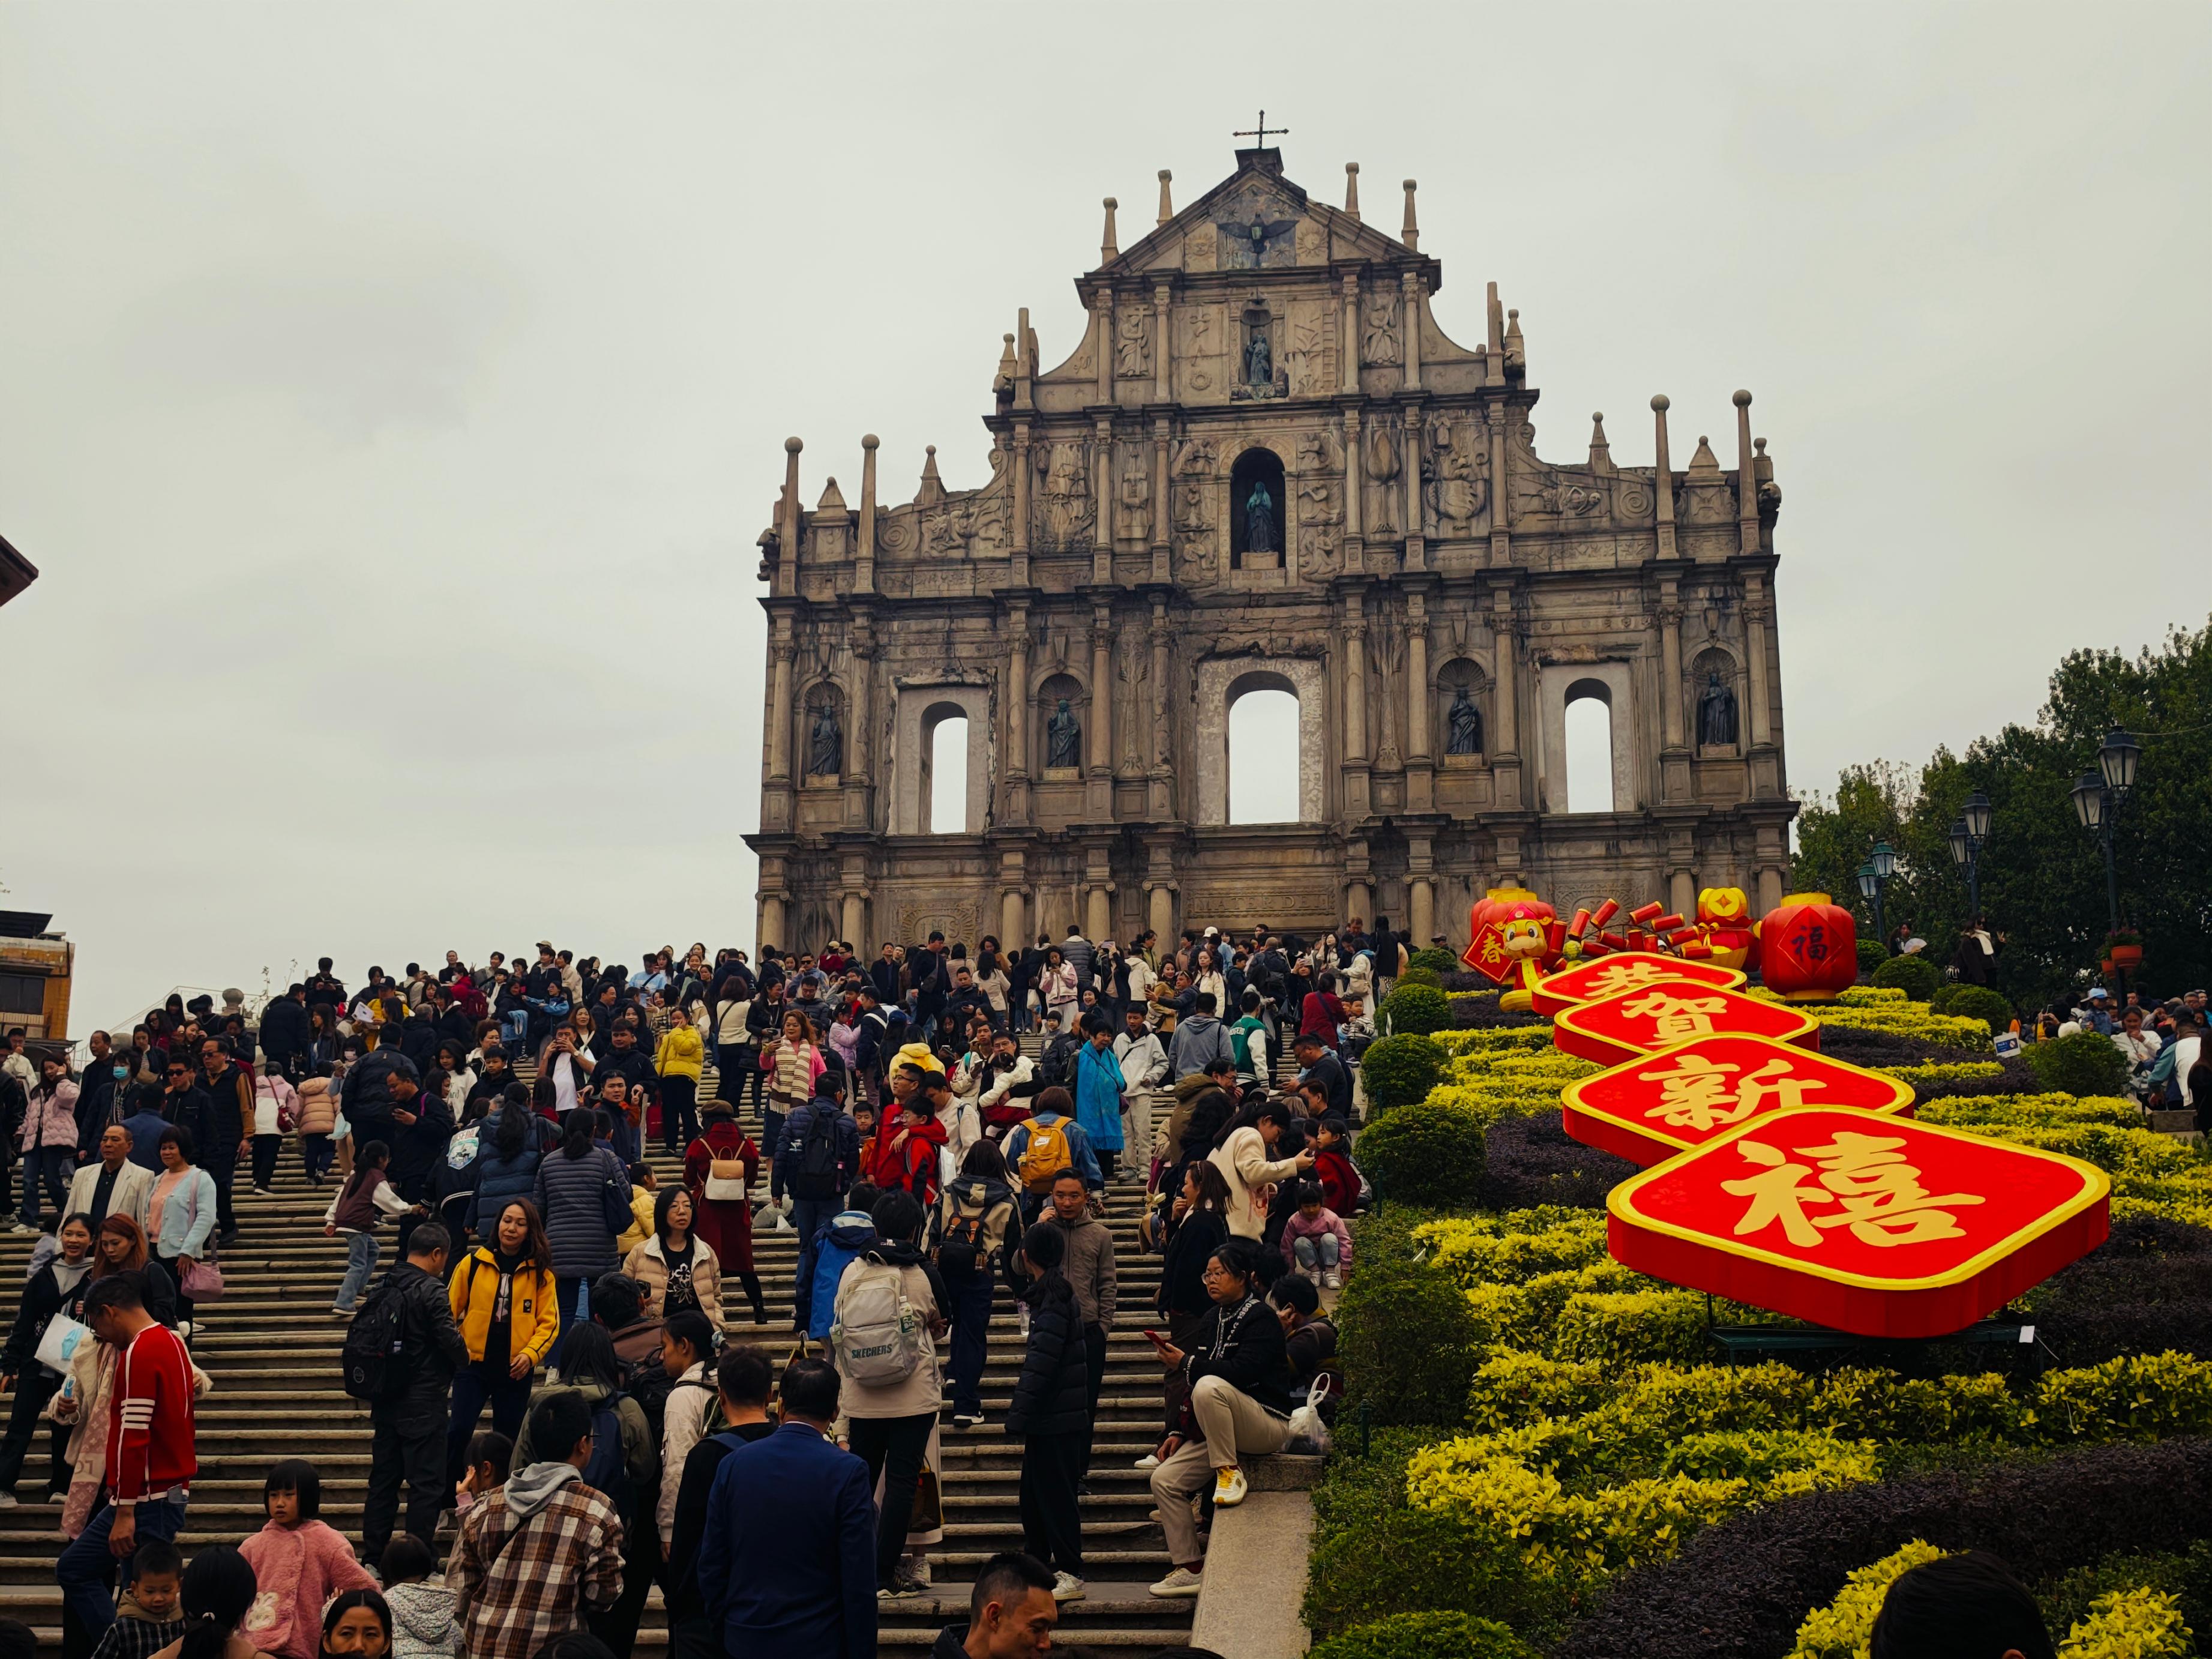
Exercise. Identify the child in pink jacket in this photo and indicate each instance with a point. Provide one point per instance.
(299, 1562)
(1315, 1240)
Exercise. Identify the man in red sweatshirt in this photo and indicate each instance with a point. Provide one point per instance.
(150, 1461)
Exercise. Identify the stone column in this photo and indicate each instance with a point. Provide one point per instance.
(1163, 314)
(787, 560)
(1417, 557)
(1159, 909)
(1102, 502)
(1102, 310)
(853, 919)
(1662, 479)
(1682, 893)
(1755, 646)
(1020, 462)
(1355, 487)
(860, 810)
(1747, 483)
(1100, 921)
(1098, 789)
(1412, 282)
(1674, 754)
(1422, 901)
(771, 921)
(1017, 767)
(1010, 934)
(1351, 351)
(1160, 788)
(1501, 491)
(781, 651)
(1163, 502)
(1417, 677)
(1505, 671)
(1355, 680)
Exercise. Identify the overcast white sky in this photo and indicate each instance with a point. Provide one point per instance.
(390, 396)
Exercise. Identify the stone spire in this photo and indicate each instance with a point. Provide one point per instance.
(933, 487)
(1106, 249)
(1167, 206)
(833, 499)
(1662, 478)
(1351, 188)
(1516, 350)
(1410, 234)
(1601, 455)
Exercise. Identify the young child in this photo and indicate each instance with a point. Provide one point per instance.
(488, 1456)
(422, 1624)
(1333, 1167)
(1314, 1241)
(298, 1562)
(908, 1160)
(146, 1619)
(643, 1185)
(366, 1198)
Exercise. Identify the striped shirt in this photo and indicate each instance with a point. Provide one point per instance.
(149, 1418)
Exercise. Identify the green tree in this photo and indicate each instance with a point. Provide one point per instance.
(2042, 874)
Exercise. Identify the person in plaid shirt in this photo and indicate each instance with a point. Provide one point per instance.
(541, 1553)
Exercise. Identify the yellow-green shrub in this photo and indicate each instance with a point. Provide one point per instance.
(1843, 1628)
(2138, 1624)
(2025, 1111)
(1630, 1326)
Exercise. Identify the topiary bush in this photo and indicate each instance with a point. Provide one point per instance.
(1444, 961)
(1407, 1338)
(2087, 1063)
(1401, 1069)
(1426, 1154)
(1979, 1002)
(1915, 975)
(1872, 954)
(1421, 1008)
(1427, 1636)
(1941, 1002)
(1418, 975)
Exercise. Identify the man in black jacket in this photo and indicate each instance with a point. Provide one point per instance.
(966, 1002)
(623, 1058)
(424, 1123)
(229, 1119)
(285, 1030)
(407, 1440)
(1317, 1065)
(367, 1098)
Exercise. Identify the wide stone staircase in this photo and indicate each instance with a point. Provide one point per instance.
(271, 1347)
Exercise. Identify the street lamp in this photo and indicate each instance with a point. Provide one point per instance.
(1967, 834)
(2098, 797)
(1872, 881)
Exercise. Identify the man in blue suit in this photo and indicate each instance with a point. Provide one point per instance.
(787, 1565)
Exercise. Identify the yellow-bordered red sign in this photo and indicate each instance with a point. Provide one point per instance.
(1666, 1012)
(1648, 1109)
(1626, 970)
(1860, 1221)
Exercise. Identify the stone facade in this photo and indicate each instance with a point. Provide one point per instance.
(1265, 466)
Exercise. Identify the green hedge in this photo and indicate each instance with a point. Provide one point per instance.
(1399, 1070)
(1915, 975)
(1427, 1636)
(1417, 975)
(1872, 954)
(1407, 1333)
(1444, 961)
(2087, 1063)
(1425, 1153)
(1419, 1008)
(1979, 1002)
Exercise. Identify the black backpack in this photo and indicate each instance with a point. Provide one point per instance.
(816, 1176)
(372, 1342)
(1055, 1064)
(608, 1473)
(649, 1383)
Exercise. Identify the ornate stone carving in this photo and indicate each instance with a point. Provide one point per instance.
(1378, 337)
(1382, 517)
(1716, 721)
(1133, 500)
(1063, 737)
(1133, 345)
(1311, 356)
(825, 742)
(1065, 492)
(1455, 471)
(1464, 723)
(1320, 499)
(1312, 243)
(1261, 513)
(1202, 248)
(1205, 340)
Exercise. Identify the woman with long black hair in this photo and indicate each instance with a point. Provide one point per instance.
(582, 1190)
(504, 1302)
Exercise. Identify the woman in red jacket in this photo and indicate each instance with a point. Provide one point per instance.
(719, 1169)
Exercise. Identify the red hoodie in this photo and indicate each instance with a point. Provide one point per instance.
(1339, 1182)
(149, 1418)
(912, 1166)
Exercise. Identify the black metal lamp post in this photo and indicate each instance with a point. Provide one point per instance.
(1967, 834)
(2098, 797)
(1874, 876)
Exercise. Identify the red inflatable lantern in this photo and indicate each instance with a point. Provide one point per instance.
(1808, 949)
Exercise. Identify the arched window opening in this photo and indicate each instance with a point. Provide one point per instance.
(1258, 510)
(1263, 756)
(1590, 748)
(945, 772)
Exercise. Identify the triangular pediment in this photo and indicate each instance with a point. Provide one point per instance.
(1251, 220)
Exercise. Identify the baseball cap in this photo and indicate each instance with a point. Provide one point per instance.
(2097, 991)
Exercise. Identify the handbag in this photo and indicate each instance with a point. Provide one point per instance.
(202, 1281)
(60, 1340)
(1309, 1434)
(726, 1180)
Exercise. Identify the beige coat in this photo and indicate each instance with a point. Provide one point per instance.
(646, 1265)
(1244, 1165)
(319, 1106)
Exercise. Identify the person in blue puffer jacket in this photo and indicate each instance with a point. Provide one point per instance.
(848, 1233)
(510, 1144)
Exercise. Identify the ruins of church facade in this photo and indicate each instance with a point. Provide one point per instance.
(1265, 466)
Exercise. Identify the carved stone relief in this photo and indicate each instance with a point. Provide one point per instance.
(1133, 345)
(1382, 516)
(1195, 466)
(1321, 499)
(1205, 347)
(1455, 479)
(1201, 248)
(1133, 498)
(1312, 242)
(1310, 355)
(1064, 493)
(1378, 339)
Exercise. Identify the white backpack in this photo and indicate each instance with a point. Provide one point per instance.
(879, 1336)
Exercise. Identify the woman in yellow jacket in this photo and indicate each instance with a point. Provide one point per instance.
(503, 1300)
(680, 1057)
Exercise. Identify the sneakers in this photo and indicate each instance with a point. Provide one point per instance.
(1149, 1462)
(899, 1590)
(19, 1227)
(1229, 1488)
(967, 1419)
(1067, 1587)
(1332, 1281)
(1181, 1584)
(914, 1570)
(263, 1192)
(8, 1500)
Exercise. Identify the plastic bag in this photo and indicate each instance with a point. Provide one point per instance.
(1309, 1434)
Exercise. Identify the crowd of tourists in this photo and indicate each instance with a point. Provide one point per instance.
(559, 1399)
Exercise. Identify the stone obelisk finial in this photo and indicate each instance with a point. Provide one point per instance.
(1167, 206)
(1351, 188)
(1108, 249)
(1411, 234)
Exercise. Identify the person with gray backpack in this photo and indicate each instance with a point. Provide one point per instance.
(888, 1318)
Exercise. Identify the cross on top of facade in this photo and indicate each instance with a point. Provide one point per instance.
(1261, 132)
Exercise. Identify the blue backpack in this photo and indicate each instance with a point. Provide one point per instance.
(829, 1264)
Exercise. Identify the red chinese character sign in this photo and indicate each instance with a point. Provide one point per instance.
(1665, 1011)
(1808, 949)
(1860, 1221)
(1513, 936)
(1628, 971)
(1651, 1108)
